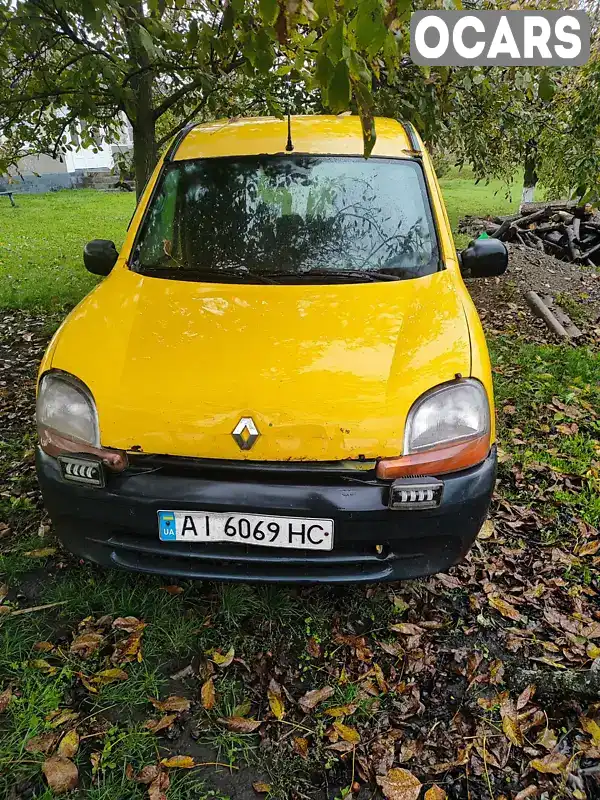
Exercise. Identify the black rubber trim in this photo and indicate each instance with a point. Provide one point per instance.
(177, 140)
(412, 136)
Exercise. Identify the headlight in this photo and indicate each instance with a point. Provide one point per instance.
(456, 412)
(66, 406)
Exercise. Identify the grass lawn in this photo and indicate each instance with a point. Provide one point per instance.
(471, 682)
(42, 239)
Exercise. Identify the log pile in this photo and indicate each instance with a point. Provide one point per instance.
(563, 230)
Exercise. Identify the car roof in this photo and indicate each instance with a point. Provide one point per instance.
(323, 134)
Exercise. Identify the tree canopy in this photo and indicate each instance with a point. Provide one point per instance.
(162, 63)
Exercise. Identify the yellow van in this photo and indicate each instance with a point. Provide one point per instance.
(283, 377)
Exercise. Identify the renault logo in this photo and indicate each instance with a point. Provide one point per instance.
(245, 433)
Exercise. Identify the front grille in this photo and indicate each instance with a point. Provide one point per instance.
(319, 473)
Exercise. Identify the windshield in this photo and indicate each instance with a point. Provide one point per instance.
(285, 217)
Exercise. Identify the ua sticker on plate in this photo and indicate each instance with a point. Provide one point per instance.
(166, 526)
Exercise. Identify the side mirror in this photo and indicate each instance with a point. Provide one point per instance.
(100, 256)
(484, 258)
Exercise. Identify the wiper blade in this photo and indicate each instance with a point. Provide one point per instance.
(357, 274)
(213, 275)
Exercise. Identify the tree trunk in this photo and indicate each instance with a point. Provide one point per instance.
(530, 176)
(145, 152)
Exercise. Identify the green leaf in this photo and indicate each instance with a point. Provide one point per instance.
(332, 43)
(369, 27)
(268, 10)
(323, 70)
(364, 101)
(264, 52)
(146, 41)
(358, 68)
(338, 90)
(192, 39)
(324, 8)
(547, 87)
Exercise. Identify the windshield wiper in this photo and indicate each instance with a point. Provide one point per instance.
(210, 275)
(356, 274)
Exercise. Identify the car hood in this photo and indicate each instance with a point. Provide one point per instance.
(327, 372)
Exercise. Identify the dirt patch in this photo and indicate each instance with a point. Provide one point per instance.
(502, 307)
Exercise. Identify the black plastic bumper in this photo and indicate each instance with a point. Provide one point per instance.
(117, 525)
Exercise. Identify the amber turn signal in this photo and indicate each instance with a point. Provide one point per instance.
(53, 444)
(440, 461)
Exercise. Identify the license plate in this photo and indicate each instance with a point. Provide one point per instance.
(198, 527)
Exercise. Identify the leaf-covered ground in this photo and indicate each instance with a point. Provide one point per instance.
(481, 683)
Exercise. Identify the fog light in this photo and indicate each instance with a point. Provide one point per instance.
(413, 494)
(82, 470)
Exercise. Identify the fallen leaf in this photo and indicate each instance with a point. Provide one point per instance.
(313, 648)
(399, 784)
(129, 649)
(69, 744)
(510, 723)
(379, 677)
(527, 792)
(547, 739)
(172, 589)
(58, 717)
(3, 591)
(43, 647)
(301, 746)
(156, 725)
(553, 763)
(86, 644)
(172, 703)
(5, 698)
(407, 628)
(61, 774)
(208, 694)
(93, 682)
(148, 773)
(276, 700)
(592, 651)
(128, 624)
(341, 747)
(589, 549)
(95, 761)
(435, 793)
(43, 552)
(239, 724)
(525, 696)
(348, 734)
(223, 660)
(508, 611)
(261, 788)
(314, 697)
(179, 762)
(591, 727)
(243, 709)
(158, 788)
(44, 743)
(42, 665)
(487, 530)
(341, 711)
(449, 581)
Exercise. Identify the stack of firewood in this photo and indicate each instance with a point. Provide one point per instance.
(564, 230)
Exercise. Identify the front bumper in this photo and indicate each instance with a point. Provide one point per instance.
(117, 525)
